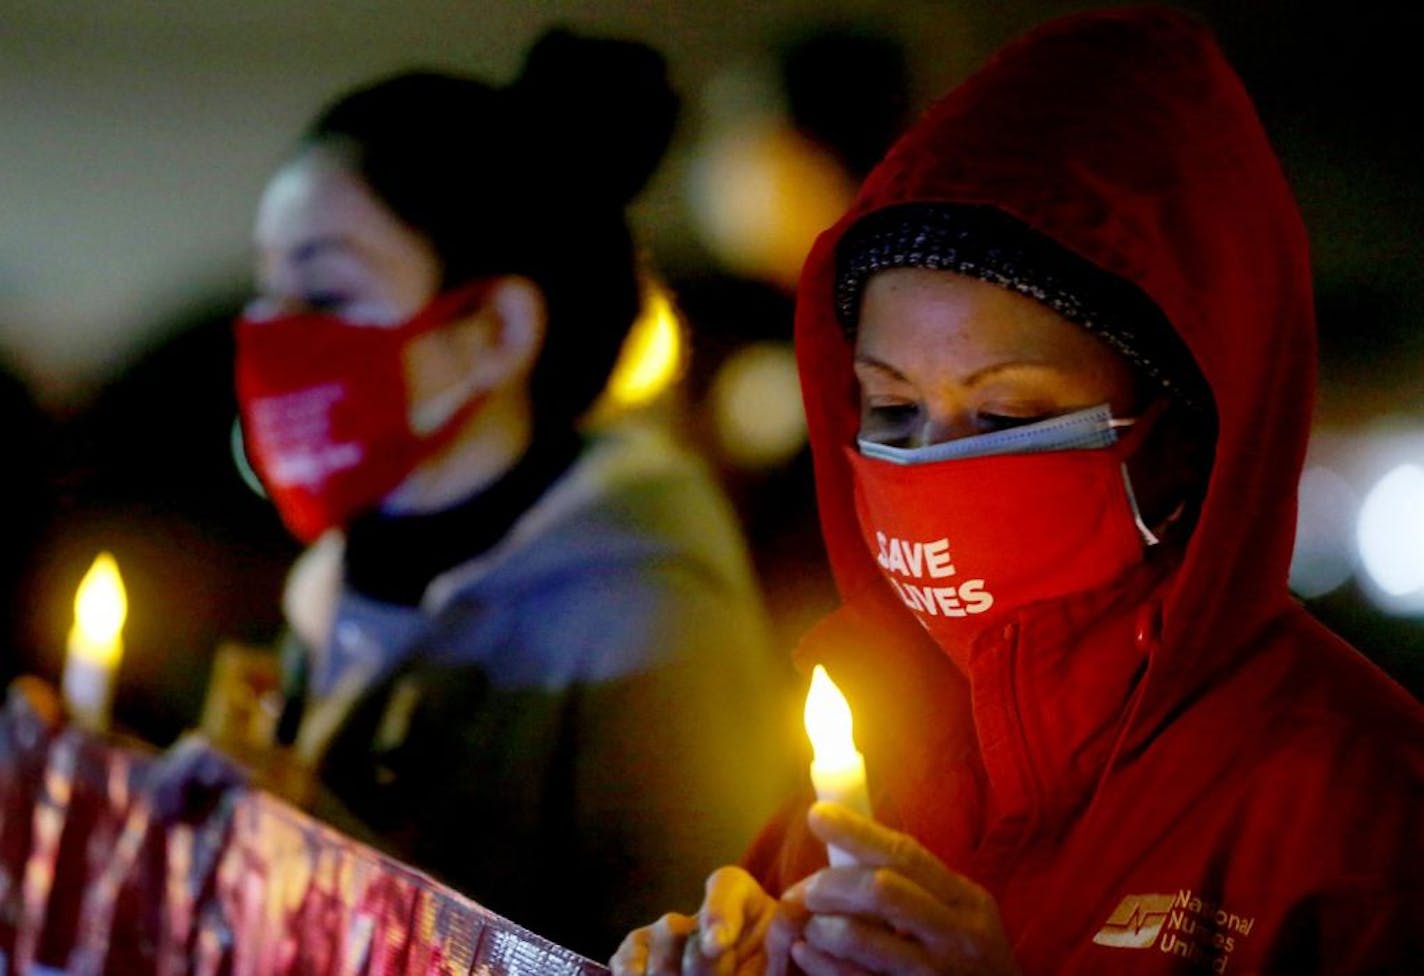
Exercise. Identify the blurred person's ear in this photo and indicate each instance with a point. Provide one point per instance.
(515, 337)
(491, 350)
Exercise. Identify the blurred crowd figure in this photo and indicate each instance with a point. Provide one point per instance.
(147, 466)
(520, 647)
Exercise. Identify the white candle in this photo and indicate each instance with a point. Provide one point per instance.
(96, 644)
(837, 768)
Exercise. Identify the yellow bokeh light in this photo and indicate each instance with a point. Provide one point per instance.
(100, 607)
(828, 723)
(756, 404)
(761, 192)
(651, 359)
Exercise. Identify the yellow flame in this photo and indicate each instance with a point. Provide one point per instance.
(651, 356)
(100, 607)
(828, 722)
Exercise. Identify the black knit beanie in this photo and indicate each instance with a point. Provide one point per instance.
(985, 243)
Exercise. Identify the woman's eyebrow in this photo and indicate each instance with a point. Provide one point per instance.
(978, 376)
(861, 359)
(993, 369)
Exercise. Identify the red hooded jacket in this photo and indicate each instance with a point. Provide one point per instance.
(1181, 772)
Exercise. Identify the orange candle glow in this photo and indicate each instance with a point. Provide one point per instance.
(837, 768)
(96, 644)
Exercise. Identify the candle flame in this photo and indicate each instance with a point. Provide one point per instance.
(828, 722)
(101, 604)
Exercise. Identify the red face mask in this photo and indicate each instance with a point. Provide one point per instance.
(326, 412)
(965, 542)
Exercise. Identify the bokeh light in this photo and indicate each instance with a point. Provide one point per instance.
(1324, 556)
(756, 406)
(1391, 538)
(760, 195)
(652, 356)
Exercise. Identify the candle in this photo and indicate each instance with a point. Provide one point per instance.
(95, 644)
(837, 768)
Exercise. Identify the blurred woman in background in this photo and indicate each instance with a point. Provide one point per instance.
(523, 652)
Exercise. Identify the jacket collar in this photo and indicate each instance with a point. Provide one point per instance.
(1052, 691)
(1003, 753)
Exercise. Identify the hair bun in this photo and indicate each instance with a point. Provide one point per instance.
(598, 112)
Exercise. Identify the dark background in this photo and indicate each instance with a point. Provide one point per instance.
(137, 137)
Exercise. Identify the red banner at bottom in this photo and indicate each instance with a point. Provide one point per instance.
(91, 882)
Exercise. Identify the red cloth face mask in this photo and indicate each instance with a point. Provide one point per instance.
(326, 412)
(965, 542)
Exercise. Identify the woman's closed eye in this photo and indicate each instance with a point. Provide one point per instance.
(990, 422)
(325, 302)
(889, 422)
(903, 423)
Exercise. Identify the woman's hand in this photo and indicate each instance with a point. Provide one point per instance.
(898, 910)
(739, 931)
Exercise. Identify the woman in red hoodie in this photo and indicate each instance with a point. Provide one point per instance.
(1058, 363)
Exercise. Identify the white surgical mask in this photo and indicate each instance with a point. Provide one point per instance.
(1081, 430)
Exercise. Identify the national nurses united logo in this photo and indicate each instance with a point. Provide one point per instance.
(1180, 924)
(1135, 923)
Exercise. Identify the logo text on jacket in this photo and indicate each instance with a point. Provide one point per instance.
(1180, 924)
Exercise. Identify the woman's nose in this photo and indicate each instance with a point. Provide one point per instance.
(940, 427)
